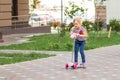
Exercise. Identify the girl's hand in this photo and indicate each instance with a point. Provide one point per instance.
(79, 35)
(73, 35)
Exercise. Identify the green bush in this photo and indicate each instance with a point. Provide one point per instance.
(87, 24)
(98, 25)
(70, 26)
(115, 24)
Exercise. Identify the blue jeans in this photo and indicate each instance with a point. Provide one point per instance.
(79, 45)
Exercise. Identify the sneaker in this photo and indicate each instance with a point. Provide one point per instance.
(81, 65)
(84, 66)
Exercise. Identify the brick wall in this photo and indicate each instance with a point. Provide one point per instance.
(5, 13)
(100, 13)
(42, 29)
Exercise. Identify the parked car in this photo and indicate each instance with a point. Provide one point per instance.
(42, 19)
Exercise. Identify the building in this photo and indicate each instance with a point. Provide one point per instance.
(100, 11)
(14, 17)
(100, 14)
(108, 10)
(112, 10)
(13, 12)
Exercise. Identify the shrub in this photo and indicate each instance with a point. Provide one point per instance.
(70, 26)
(98, 25)
(54, 24)
(115, 24)
(87, 24)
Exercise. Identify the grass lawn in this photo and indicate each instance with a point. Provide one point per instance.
(7, 58)
(50, 42)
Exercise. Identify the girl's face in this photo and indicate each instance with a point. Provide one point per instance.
(77, 24)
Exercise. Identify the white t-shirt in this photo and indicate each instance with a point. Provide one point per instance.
(79, 31)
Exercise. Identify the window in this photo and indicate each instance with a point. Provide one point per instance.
(14, 9)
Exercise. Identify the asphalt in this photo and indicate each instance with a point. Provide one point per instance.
(102, 64)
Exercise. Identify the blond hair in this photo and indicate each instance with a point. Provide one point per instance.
(78, 20)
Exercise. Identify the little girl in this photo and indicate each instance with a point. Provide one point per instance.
(80, 35)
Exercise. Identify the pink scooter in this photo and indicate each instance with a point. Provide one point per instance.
(72, 64)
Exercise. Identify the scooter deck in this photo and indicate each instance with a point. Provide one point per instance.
(73, 66)
(78, 67)
(81, 67)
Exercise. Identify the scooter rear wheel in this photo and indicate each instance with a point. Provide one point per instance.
(66, 66)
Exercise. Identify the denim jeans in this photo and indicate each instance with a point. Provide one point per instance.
(79, 45)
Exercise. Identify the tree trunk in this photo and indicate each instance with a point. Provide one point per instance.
(100, 33)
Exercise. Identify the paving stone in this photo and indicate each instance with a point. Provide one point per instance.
(102, 64)
(3, 78)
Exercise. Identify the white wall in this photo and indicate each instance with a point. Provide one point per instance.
(112, 10)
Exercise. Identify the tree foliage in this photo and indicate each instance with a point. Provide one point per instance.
(35, 2)
(73, 9)
(115, 24)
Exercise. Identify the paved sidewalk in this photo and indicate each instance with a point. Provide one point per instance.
(102, 64)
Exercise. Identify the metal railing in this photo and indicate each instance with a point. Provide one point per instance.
(28, 20)
(20, 21)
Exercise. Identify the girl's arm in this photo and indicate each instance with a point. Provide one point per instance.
(85, 34)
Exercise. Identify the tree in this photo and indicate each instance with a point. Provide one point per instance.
(35, 3)
(100, 2)
(73, 9)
